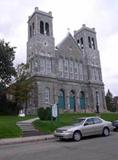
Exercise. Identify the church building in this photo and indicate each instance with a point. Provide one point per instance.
(68, 74)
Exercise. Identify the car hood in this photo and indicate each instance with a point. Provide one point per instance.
(68, 127)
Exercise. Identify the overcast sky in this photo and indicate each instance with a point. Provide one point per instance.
(101, 14)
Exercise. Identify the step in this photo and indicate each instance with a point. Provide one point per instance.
(24, 123)
(30, 133)
(27, 128)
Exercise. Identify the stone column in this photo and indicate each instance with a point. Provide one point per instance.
(77, 103)
(55, 93)
(68, 102)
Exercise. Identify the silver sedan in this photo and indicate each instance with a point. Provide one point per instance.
(84, 127)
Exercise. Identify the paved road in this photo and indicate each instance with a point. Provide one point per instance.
(97, 148)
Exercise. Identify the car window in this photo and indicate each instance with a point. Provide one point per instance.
(89, 121)
(78, 122)
(81, 120)
(97, 120)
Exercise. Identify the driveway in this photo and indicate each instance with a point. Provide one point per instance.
(97, 148)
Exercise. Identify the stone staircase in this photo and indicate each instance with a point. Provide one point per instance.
(28, 129)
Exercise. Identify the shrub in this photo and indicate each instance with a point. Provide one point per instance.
(44, 113)
(48, 113)
(41, 113)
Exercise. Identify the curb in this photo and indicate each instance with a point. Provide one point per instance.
(25, 139)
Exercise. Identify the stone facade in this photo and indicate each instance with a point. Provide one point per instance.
(68, 74)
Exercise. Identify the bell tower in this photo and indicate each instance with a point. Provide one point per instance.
(87, 41)
(40, 45)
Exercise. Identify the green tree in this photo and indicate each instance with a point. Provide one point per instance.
(110, 101)
(7, 69)
(7, 72)
(22, 87)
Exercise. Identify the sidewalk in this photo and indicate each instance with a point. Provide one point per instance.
(25, 139)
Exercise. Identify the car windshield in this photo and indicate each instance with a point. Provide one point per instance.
(79, 122)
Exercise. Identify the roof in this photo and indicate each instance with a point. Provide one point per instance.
(64, 39)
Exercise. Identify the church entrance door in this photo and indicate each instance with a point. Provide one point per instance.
(82, 100)
(61, 99)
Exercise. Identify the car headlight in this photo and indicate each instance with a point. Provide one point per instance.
(68, 131)
(63, 131)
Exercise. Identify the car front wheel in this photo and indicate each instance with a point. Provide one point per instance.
(106, 132)
(77, 136)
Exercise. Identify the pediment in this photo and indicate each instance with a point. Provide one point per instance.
(69, 47)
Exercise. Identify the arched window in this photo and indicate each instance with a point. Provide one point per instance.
(71, 67)
(66, 68)
(47, 28)
(78, 42)
(82, 100)
(76, 70)
(82, 44)
(61, 99)
(89, 42)
(81, 71)
(93, 43)
(41, 27)
(61, 69)
(36, 66)
(47, 95)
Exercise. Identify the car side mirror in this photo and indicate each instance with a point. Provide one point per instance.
(86, 124)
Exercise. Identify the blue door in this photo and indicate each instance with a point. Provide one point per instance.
(82, 100)
(61, 100)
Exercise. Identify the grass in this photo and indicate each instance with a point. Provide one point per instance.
(68, 118)
(8, 128)
(109, 116)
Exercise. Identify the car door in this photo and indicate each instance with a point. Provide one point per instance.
(88, 127)
(98, 125)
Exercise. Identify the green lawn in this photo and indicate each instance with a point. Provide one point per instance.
(8, 128)
(68, 118)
